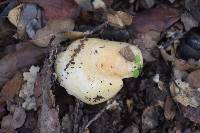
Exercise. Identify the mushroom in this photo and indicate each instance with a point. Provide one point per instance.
(92, 69)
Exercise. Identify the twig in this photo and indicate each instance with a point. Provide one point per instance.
(76, 115)
(87, 33)
(109, 106)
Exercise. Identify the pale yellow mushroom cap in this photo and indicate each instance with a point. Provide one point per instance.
(92, 69)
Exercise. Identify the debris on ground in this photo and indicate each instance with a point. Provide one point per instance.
(121, 90)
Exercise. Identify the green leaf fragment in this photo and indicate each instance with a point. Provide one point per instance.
(137, 60)
(136, 73)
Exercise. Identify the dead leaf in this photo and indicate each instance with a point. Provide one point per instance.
(146, 44)
(7, 30)
(130, 104)
(132, 129)
(184, 94)
(150, 118)
(28, 18)
(53, 29)
(165, 55)
(12, 87)
(3, 110)
(147, 3)
(23, 57)
(156, 19)
(67, 124)
(193, 7)
(85, 4)
(14, 121)
(191, 113)
(14, 15)
(119, 19)
(188, 21)
(189, 65)
(57, 9)
(6, 122)
(18, 118)
(169, 109)
(194, 79)
(49, 122)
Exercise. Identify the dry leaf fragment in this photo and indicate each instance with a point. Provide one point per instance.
(18, 118)
(150, 117)
(194, 79)
(169, 109)
(14, 121)
(57, 9)
(6, 122)
(12, 87)
(157, 19)
(147, 44)
(14, 15)
(85, 4)
(119, 19)
(191, 113)
(53, 29)
(188, 21)
(189, 65)
(21, 58)
(184, 94)
(28, 18)
(147, 3)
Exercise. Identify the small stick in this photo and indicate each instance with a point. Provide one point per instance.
(109, 106)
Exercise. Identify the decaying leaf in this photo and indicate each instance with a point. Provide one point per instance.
(194, 79)
(147, 44)
(188, 21)
(193, 7)
(6, 122)
(85, 4)
(189, 65)
(7, 31)
(28, 18)
(57, 9)
(23, 57)
(14, 15)
(132, 129)
(53, 30)
(169, 109)
(49, 121)
(14, 121)
(119, 19)
(156, 19)
(184, 94)
(191, 113)
(18, 118)
(150, 118)
(147, 3)
(12, 87)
